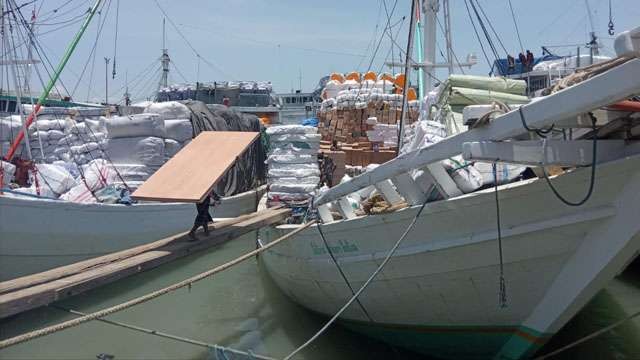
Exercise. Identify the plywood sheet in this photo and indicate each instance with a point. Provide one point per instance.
(192, 173)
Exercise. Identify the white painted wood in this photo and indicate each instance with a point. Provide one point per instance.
(603, 251)
(584, 120)
(38, 234)
(345, 208)
(443, 180)
(601, 90)
(409, 190)
(388, 192)
(602, 254)
(446, 270)
(325, 213)
(558, 152)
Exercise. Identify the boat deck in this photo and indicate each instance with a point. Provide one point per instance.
(32, 291)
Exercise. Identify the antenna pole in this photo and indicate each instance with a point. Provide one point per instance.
(106, 80)
(164, 59)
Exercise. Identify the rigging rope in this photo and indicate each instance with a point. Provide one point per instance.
(515, 23)
(594, 152)
(90, 57)
(186, 40)
(611, 29)
(502, 298)
(452, 51)
(492, 28)
(39, 49)
(589, 337)
(363, 287)
(475, 30)
(147, 297)
(342, 274)
(247, 354)
(486, 33)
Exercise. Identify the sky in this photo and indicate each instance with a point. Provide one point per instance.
(287, 42)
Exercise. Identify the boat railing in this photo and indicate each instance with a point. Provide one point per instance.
(562, 109)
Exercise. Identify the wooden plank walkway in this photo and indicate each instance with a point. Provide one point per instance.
(32, 291)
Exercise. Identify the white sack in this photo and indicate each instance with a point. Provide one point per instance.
(136, 150)
(139, 125)
(171, 147)
(55, 178)
(9, 129)
(169, 110)
(291, 129)
(8, 170)
(178, 129)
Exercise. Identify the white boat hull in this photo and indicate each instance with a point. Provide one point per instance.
(439, 294)
(37, 235)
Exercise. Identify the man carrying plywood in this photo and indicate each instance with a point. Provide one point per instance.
(192, 174)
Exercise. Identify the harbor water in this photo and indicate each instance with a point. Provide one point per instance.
(242, 308)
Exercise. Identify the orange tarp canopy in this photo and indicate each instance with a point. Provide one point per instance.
(192, 173)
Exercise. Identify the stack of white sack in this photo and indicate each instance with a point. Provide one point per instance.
(136, 141)
(384, 133)
(425, 133)
(82, 141)
(293, 173)
(9, 129)
(467, 176)
(177, 124)
(43, 139)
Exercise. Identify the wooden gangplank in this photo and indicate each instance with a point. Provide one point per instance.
(32, 291)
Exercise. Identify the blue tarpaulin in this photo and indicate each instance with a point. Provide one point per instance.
(310, 122)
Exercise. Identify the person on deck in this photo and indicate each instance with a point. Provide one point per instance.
(523, 61)
(530, 60)
(226, 101)
(203, 217)
(511, 63)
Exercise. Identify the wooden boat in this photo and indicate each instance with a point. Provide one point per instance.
(40, 234)
(439, 292)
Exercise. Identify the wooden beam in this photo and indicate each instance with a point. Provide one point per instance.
(558, 152)
(345, 208)
(607, 88)
(442, 180)
(409, 190)
(325, 213)
(27, 298)
(390, 194)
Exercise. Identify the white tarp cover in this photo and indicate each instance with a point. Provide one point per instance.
(136, 150)
(178, 129)
(133, 126)
(169, 110)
